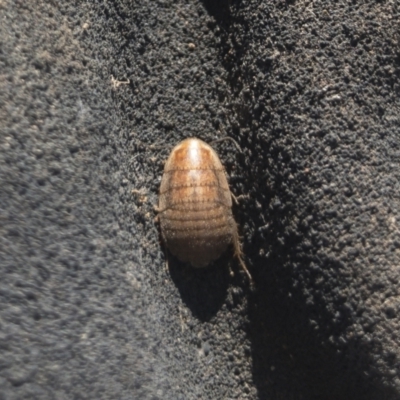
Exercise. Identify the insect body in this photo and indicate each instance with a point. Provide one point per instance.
(195, 205)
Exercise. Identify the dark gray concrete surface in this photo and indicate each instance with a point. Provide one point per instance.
(94, 95)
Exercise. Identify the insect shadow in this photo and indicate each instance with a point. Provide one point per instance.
(203, 290)
(220, 10)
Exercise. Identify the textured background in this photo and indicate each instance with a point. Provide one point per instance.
(309, 89)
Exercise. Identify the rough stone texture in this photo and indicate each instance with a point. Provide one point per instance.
(94, 95)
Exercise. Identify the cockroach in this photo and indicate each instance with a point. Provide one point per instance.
(195, 206)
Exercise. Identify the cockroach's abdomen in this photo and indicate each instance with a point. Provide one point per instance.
(195, 204)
